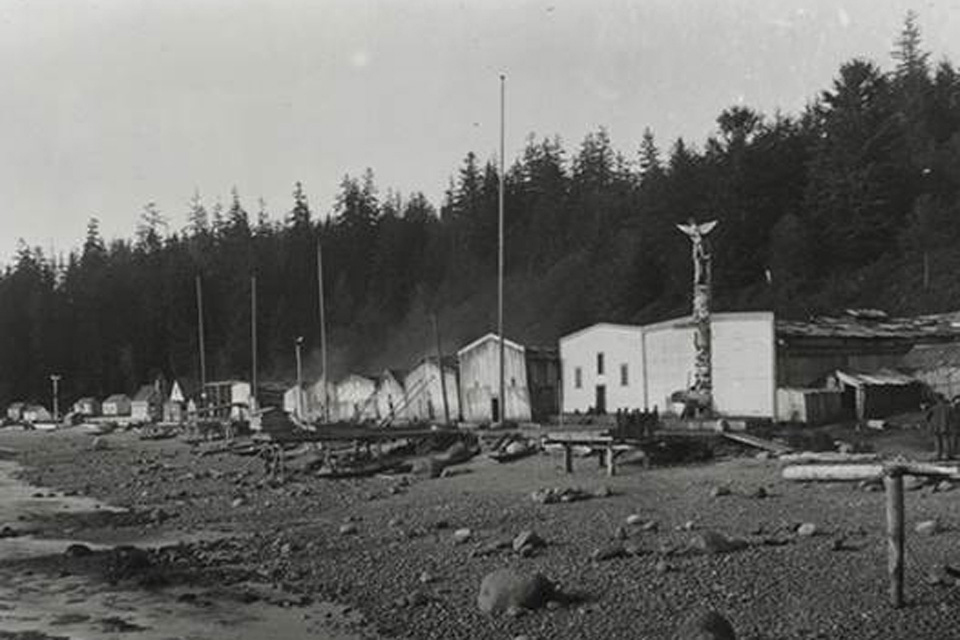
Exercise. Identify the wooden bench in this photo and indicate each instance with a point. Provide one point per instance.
(569, 440)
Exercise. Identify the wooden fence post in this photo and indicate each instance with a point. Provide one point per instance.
(893, 483)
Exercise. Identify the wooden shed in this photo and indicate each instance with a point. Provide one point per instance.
(392, 397)
(87, 407)
(878, 394)
(117, 405)
(811, 406)
(425, 391)
(480, 381)
(147, 404)
(356, 399)
(15, 411)
(34, 413)
(937, 366)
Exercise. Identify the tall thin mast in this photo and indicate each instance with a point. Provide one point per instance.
(203, 355)
(323, 336)
(253, 342)
(503, 396)
(443, 378)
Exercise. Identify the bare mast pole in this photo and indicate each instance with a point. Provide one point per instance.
(203, 356)
(443, 378)
(253, 343)
(323, 335)
(503, 396)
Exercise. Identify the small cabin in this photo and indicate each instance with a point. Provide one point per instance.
(356, 398)
(426, 389)
(33, 413)
(147, 404)
(87, 407)
(117, 405)
(15, 411)
(480, 381)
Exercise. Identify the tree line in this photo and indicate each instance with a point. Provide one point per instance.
(852, 201)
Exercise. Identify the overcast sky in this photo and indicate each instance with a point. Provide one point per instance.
(108, 105)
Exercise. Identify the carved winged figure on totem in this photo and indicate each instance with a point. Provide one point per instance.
(701, 253)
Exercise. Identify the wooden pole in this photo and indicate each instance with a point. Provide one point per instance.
(325, 379)
(253, 344)
(503, 397)
(893, 483)
(443, 378)
(203, 355)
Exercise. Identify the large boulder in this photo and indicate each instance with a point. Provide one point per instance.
(705, 625)
(506, 589)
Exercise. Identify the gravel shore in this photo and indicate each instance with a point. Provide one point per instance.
(387, 545)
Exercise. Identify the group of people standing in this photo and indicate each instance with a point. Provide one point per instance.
(943, 422)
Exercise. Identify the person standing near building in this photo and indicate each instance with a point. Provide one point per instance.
(938, 422)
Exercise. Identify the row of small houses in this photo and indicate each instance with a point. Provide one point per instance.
(860, 365)
(462, 388)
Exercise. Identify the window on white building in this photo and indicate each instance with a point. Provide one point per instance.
(578, 378)
(600, 364)
(624, 376)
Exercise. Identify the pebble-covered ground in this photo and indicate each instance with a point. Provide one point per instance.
(392, 547)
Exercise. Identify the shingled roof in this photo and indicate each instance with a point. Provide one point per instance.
(872, 324)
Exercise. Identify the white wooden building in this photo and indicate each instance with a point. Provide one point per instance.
(660, 357)
(480, 381)
(308, 403)
(425, 391)
(147, 404)
(34, 413)
(88, 406)
(356, 399)
(117, 405)
(15, 411)
(392, 397)
(603, 367)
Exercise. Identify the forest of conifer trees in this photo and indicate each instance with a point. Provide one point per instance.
(853, 201)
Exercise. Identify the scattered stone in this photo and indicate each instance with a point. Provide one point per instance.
(634, 519)
(8, 532)
(527, 539)
(506, 588)
(602, 492)
(714, 543)
(412, 599)
(940, 575)
(348, 528)
(395, 522)
(662, 567)
(871, 486)
(78, 550)
(927, 527)
(441, 524)
(689, 525)
(461, 536)
(609, 552)
(621, 533)
(706, 625)
(554, 495)
(763, 455)
(720, 491)
(807, 529)
(426, 578)
(238, 502)
(650, 525)
(761, 493)
(943, 486)
(913, 483)
(99, 444)
(427, 467)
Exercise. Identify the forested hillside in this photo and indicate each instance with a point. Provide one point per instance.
(853, 201)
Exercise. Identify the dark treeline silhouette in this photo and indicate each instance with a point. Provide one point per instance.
(854, 201)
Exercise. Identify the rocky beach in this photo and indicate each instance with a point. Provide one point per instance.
(191, 532)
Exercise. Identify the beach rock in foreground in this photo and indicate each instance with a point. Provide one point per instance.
(504, 589)
(705, 625)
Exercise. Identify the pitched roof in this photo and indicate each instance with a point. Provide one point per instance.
(884, 377)
(490, 336)
(118, 397)
(933, 356)
(871, 324)
(147, 393)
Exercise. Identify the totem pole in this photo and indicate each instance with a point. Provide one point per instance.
(702, 389)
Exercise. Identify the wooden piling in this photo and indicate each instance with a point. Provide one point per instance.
(893, 483)
(611, 465)
(568, 458)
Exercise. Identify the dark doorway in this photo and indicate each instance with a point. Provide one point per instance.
(495, 409)
(601, 404)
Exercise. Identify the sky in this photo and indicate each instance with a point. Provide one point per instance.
(106, 105)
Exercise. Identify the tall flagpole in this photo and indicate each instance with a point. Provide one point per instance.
(323, 336)
(203, 355)
(253, 344)
(503, 396)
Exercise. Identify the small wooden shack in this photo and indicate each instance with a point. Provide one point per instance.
(811, 406)
(87, 407)
(147, 404)
(33, 413)
(175, 406)
(356, 399)
(392, 397)
(15, 411)
(878, 394)
(425, 390)
(117, 405)
(480, 381)
(227, 399)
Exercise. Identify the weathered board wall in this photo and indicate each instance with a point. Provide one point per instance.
(425, 392)
(480, 381)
